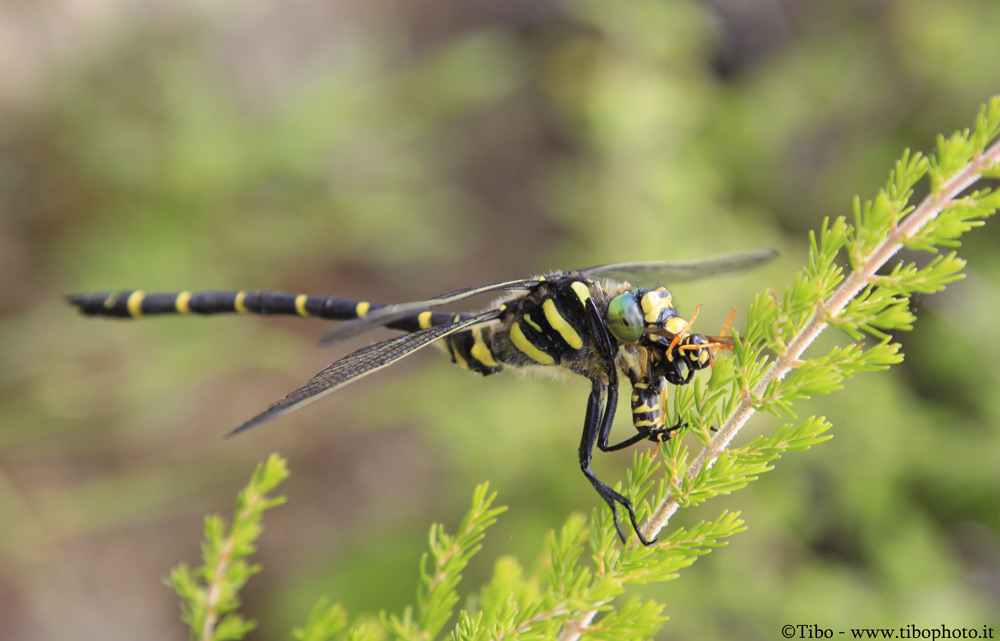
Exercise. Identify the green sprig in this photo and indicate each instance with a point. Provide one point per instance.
(437, 595)
(210, 593)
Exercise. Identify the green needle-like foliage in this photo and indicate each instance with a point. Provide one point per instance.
(581, 584)
(210, 593)
(441, 570)
(324, 622)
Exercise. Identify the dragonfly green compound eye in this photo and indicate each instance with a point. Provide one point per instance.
(625, 318)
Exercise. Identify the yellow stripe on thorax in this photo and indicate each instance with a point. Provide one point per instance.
(134, 303)
(183, 303)
(522, 343)
(534, 325)
(424, 319)
(582, 291)
(561, 325)
(300, 305)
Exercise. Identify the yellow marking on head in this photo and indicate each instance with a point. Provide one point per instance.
(479, 350)
(134, 303)
(424, 319)
(361, 309)
(704, 355)
(240, 303)
(582, 291)
(653, 302)
(536, 326)
(561, 325)
(676, 325)
(522, 343)
(183, 303)
(300, 305)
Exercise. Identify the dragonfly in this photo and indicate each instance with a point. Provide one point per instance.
(605, 323)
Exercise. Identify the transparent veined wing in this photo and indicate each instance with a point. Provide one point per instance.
(655, 273)
(361, 363)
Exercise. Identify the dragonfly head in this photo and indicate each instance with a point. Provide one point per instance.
(631, 314)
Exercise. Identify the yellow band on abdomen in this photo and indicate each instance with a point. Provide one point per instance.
(300, 305)
(240, 303)
(134, 303)
(479, 350)
(183, 303)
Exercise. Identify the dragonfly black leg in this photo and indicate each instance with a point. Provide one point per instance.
(599, 329)
(598, 422)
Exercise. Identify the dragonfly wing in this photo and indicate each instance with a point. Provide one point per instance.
(654, 273)
(361, 363)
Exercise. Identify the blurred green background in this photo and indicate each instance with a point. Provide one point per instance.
(393, 151)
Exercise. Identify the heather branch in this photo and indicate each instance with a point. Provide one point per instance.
(865, 266)
(928, 209)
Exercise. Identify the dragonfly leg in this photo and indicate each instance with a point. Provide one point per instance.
(598, 424)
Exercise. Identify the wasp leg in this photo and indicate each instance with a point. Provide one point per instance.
(597, 425)
(630, 441)
(663, 434)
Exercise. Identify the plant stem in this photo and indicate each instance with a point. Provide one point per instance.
(215, 592)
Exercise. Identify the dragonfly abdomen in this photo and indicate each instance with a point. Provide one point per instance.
(137, 303)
